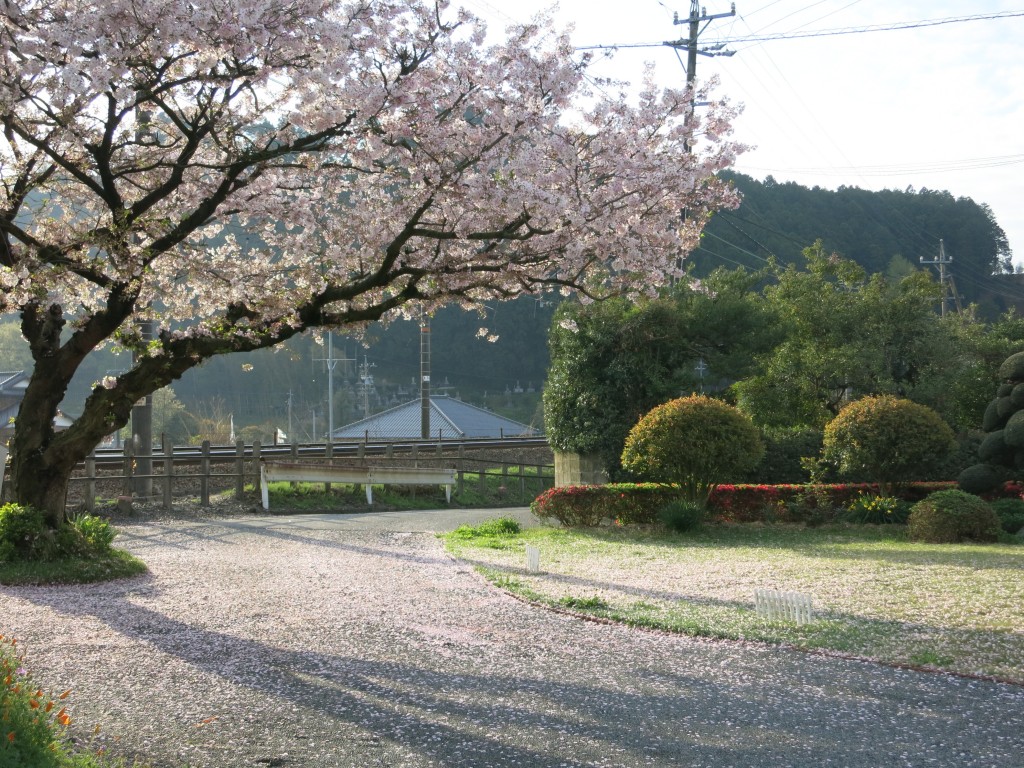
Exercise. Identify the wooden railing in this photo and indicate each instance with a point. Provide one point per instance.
(205, 470)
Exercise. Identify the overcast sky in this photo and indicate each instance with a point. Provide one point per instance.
(940, 107)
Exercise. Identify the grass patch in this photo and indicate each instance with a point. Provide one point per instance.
(956, 607)
(105, 566)
(480, 489)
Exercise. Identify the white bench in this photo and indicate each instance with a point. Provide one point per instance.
(277, 471)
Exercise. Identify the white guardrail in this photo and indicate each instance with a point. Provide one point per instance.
(276, 471)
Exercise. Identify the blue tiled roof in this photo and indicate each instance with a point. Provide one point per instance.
(451, 418)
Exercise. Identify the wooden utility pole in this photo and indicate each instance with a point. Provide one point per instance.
(698, 15)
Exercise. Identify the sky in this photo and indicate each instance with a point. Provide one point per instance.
(938, 107)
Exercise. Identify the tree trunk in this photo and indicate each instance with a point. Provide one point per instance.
(41, 486)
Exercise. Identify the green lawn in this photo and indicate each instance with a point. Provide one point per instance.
(953, 607)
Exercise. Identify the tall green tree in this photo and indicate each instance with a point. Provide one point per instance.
(613, 361)
(846, 334)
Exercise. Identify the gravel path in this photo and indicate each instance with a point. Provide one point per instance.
(356, 641)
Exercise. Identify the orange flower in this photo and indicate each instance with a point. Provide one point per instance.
(10, 736)
(33, 703)
(65, 694)
(48, 707)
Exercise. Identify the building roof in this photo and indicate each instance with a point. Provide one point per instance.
(13, 382)
(448, 417)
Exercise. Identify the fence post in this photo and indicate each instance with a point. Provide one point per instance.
(461, 467)
(295, 457)
(168, 450)
(129, 465)
(257, 452)
(328, 454)
(239, 469)
(389, 450)
(90, 482)
(522, 482)
(204, 475)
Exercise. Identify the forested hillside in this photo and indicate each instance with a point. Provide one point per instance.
(887, 232)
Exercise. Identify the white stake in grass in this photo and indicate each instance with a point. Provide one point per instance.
(532, 558)
(786, 606)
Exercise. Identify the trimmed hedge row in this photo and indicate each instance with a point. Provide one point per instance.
(639, 503)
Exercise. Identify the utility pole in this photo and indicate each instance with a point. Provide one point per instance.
(698, 15)
(332, 362)
(365, 382)
(945, 278)
(424, 375)
(142, 411)
(290, 415)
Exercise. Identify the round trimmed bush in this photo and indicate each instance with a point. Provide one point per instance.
(1013, 367)
(992, 420)
(1013, 432)
(993, 448)
(888, 439)
(1004, 407)
(979, 478)
(696, 442)
(945, 517)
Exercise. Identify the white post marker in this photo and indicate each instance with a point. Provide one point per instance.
(532, 558)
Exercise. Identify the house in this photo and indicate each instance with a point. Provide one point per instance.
(12, 391)
(449, 418)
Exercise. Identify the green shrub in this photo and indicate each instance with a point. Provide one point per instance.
(33, 732)
(951, 516)
(877, 510)
(681, 516)
(1010, 513)
(979, 478)
(24, 534)
(694, 442)
(888, 439)
(96, 531)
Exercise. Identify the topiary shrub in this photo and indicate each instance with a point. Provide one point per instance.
(888, 439)
(695, 442)
(979, 478)
(1010, 513)
(945, 517)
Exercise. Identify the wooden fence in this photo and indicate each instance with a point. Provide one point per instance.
(208, 470)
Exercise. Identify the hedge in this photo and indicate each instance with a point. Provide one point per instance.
(639, 503)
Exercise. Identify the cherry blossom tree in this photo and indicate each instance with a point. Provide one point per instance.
(235, 172)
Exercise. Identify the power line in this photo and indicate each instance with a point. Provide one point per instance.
(755, 38)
